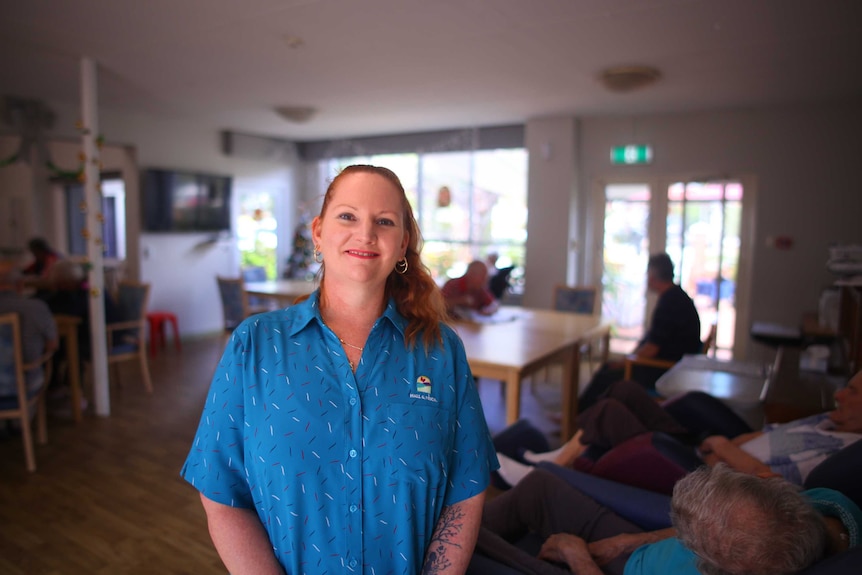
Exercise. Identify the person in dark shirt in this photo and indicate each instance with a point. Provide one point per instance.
(674, 331)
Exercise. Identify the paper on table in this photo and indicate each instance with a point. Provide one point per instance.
(703, 362)
(502, 315)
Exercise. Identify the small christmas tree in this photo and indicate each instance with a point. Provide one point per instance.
(301, 264)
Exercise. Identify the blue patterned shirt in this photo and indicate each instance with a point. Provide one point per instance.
(347, 472)
(795, 448)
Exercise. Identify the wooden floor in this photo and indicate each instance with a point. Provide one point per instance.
(107, 498)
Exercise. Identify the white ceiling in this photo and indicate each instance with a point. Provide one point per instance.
(392, 66)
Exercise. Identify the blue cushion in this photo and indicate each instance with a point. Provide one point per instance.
(646, 509)
(123, 348)
(11, 401)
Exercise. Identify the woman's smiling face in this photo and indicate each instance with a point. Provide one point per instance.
(361, 232)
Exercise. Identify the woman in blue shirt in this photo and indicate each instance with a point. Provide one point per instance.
(344, 434)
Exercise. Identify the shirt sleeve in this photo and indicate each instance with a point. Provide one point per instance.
(215, 463)
(473, 456)
(665, 556)
(451, 288)
(487, 298)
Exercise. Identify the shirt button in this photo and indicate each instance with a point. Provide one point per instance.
(353, 508)
(352, 453)
(353, 563)
(352, 401)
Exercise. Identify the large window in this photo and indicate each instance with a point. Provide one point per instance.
(469, 204)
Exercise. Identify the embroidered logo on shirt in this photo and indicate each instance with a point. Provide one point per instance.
(423, 389)
(423, 384)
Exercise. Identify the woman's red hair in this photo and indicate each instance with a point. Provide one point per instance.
(416, 295)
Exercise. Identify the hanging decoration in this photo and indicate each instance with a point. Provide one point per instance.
(444, 197)
(31, 119)
(81, 176)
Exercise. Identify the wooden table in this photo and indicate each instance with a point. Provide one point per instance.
(67, 327)
(282, 290)
(519, 342)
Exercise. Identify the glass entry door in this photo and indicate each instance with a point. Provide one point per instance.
(699, 225)
(626, 249)
(703, 240)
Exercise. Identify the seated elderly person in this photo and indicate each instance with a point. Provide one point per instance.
(470, 291)
(37, 273)
(38, 328)
(723, 521)
(790, 449)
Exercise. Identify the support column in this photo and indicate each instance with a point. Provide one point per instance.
(93, 227)
(553, 169)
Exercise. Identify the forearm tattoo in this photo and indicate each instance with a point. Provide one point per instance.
(446, 535)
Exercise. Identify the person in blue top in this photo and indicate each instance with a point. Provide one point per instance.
(344, 434)
(724, 522)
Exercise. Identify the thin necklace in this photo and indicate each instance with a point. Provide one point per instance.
(342, 341)
(349, 344)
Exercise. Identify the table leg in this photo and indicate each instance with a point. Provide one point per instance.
(570, 388)
(73, 360)
(513, 398)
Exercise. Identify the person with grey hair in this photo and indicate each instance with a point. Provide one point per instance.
(739, 523)
(673, 332)
(38, 328)
(724, 522)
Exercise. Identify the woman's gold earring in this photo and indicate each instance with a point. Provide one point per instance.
(401, 266)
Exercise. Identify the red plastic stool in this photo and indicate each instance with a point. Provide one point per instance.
(157, 320)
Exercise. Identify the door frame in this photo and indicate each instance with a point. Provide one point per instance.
(657, 229)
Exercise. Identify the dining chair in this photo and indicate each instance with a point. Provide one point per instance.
(20, 399)
(126, 337)
(256, 274)
(235, 303)
(630, 361)
(582, 300)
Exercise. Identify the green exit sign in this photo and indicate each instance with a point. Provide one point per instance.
(631, 154)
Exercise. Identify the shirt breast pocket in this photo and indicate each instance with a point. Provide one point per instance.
(420, 440)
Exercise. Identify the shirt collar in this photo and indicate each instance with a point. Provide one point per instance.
(835, 504)
(309, 310)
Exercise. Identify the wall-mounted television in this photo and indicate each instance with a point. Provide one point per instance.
(180, 201)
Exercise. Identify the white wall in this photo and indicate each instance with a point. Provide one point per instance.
(553, 167)
(806, 164)
(181, 268)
